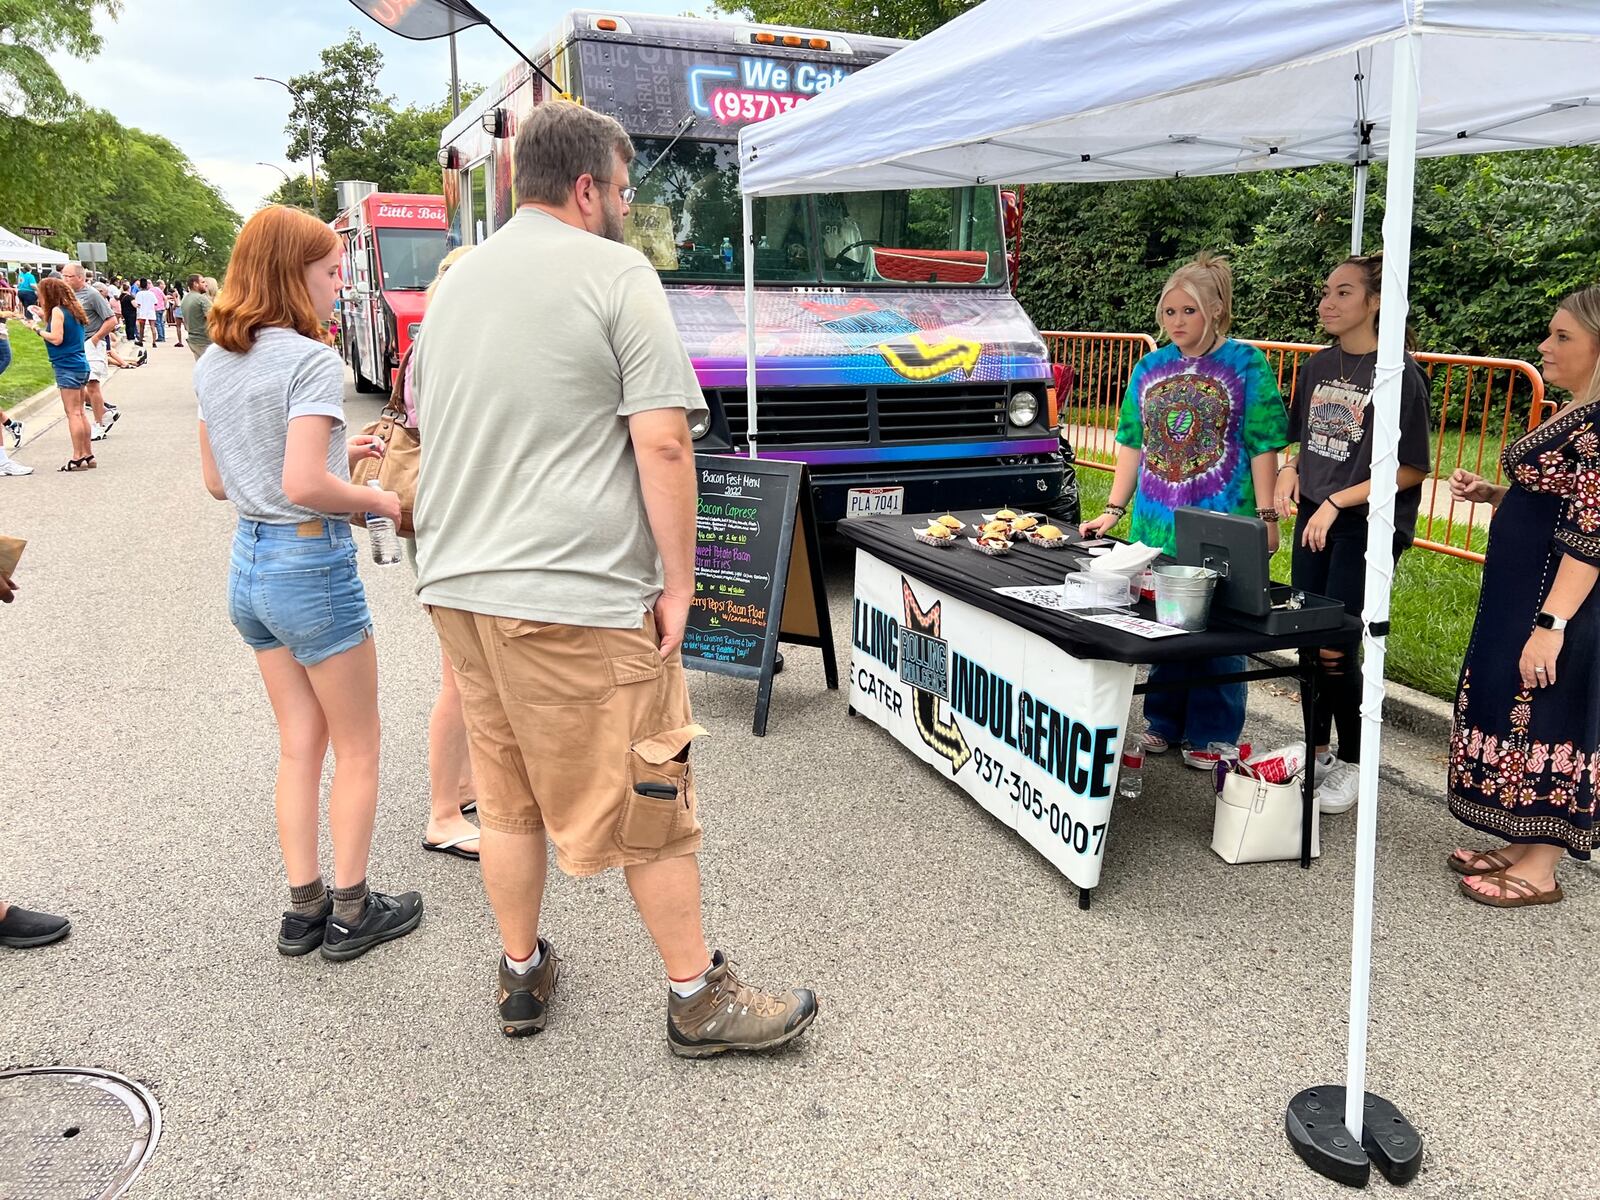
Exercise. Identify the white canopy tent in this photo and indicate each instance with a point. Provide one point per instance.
(14, 249)
(1081, 90)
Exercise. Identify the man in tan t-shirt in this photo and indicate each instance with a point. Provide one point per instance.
(555, 520)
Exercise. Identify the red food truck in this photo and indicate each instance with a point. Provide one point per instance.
(392, 247)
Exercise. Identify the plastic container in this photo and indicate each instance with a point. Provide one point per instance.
(1084, 589)
(1183, 596)
(385, 538)
(1130, 778)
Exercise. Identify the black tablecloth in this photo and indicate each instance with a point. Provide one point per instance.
(971, 576)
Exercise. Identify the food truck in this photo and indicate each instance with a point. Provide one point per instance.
(891, 355)
(392, 247)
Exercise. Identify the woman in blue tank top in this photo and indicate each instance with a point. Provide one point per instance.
(62, 319)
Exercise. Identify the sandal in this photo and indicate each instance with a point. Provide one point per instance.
(78, 464)
(1495, 859)
(453, 847)
(1515, 892)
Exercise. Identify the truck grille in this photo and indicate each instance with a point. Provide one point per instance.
(869, 416)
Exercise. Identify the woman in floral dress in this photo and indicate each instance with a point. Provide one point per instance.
(1525, 747)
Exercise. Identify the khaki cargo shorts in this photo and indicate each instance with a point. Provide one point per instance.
(580, 733)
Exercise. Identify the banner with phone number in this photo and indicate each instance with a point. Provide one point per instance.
(1030, 732)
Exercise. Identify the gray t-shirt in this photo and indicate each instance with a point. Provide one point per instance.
(528, 497)
(247, 401)
(196, 306)
(96, 308)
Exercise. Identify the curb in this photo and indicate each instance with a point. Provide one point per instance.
(1403, 707)
(26, 408)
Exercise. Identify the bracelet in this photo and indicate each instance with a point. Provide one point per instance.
(1337, 507)
(1269, 515)
(1290, 466)
(1120, 509)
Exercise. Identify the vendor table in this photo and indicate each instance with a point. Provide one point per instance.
(1026, 708)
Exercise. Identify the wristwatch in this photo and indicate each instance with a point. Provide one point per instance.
(1548, 620)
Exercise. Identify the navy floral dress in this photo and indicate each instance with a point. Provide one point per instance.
(1525, 763)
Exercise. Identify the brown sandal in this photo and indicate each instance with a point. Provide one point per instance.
(1463, 866)
(1515, 892)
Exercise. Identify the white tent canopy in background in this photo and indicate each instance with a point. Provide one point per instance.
(1079, 91)
(14, 249)
(1026, 91)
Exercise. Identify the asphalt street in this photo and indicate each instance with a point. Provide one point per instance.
(979, 1035)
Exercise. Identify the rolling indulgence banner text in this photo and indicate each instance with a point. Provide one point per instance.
(1032, 733)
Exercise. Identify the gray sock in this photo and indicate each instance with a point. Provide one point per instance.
(307, 899)
(349, 902)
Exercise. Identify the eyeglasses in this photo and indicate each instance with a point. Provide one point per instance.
(627, 193)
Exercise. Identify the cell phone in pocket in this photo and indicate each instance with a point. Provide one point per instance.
(658, 791)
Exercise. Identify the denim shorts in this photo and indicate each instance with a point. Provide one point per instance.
(72, 377)
(297, 586)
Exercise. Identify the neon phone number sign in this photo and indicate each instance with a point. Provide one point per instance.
(757, 89)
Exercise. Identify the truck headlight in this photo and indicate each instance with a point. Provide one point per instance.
(700, 426)
(1023, 409)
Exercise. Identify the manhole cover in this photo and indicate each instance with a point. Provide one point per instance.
(73, 1133)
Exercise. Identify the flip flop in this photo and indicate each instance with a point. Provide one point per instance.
(453, 847)
(471, 806)
(1515, 892)
(1463, 866)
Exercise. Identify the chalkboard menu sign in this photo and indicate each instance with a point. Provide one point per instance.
(755, 582)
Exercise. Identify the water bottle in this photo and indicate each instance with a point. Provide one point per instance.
(1130, 779)
(727, 254)
(385, 538)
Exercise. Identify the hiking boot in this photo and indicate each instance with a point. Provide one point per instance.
(727, 1014)
(384, 919)
(299, 934)
(524, 1000)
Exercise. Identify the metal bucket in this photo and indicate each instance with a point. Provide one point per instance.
(1183, 596)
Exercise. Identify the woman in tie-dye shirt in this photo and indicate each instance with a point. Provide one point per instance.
(1201, 425)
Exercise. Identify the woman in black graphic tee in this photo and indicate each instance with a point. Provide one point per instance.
(1328, 478)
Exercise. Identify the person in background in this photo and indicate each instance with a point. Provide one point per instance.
(62, 321)
(451, 794)
(210, 283)
(1525, 743)
(1202, 423)
(130, 314)
(175, 309)
(160, 290)
(1328, 482)
(101, 321)
(272, 440)
(196, 304)
(8, 465)
(19, 928)
(27, 289)
(144, 302)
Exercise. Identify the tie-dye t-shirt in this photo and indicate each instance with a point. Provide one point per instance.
(1197, 423)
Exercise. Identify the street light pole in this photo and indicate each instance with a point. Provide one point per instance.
(278, 169)
(311, 148)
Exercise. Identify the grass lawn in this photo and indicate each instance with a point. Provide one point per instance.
(30, 369)
(1431, 610)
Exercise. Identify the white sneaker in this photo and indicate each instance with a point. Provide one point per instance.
(12, 467)
(1337, 787)
(97, 432)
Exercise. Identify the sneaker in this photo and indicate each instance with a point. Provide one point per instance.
(112, 417)
(12, 467)
(1205, 760)
(1154, 743)
(1338, 788)
(23, 930)
(727, 1014)
(97, 432)
(524, 1000)
(143, 354)
(300, 934)
(385, 918)
(15, 429)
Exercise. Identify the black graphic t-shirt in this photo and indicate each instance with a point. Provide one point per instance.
(1330, 415)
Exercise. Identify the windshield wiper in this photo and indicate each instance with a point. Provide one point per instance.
(683, 127)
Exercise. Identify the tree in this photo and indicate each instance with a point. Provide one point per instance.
(28, 31)
(335, 104)
(885, 18)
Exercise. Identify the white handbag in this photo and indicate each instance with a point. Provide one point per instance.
(1258, 821)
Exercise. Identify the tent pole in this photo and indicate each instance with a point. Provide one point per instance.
(750, 322)
(1373, 1129)
(1358, 209)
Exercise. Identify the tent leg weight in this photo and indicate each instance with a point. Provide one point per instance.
(1316, 1130)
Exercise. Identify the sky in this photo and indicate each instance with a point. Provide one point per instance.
(183, 69)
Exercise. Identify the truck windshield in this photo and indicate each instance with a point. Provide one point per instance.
(409, 258)
(686, 220)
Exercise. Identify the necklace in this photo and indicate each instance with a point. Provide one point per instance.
(1344, 371)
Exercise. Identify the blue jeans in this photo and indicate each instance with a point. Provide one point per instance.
(161, 324)
(1200, 715)
(296, 586)
(5, 354)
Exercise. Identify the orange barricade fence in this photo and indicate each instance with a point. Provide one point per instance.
(1478, 402)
